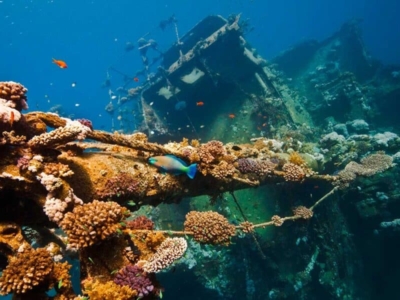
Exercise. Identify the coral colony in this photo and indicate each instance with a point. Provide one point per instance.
(70, 192)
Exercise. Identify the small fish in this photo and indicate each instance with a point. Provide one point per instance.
(231, 116)
(174, 165)
(60, 63)
(200, 103)
(12, 117)
(135, 79)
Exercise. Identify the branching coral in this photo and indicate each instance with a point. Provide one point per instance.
(123, 184)
(107, 291)
(211, 151)
(14, 94)
(136, 279)
(140, 222)
(169, 251)
(259, 167)
(25, 271)
(71, 131)
(92, 222)
(293, 172)
(209, 227)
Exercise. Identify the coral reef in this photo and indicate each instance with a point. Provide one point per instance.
(136, 279)
(109, 290)
(170, 250)
(26, 271)
(140, 222)
(92, 222)
(209, 227)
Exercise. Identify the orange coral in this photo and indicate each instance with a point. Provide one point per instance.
(92, 222)
(146, 242)
(209, 227)
(26, 271)
(296, 159)
(293, 172)
(107, 291)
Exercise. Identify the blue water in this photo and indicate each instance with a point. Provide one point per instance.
(90, 37)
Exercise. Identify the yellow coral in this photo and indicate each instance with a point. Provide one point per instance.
(107, 291)
(295, 158)
(147, 242)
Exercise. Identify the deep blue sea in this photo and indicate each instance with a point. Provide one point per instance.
(90, 36)
(93, 36)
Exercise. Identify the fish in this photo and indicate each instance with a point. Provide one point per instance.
(200, 103)
(173, 165)
(135, 79)
(62, 64)
(231, 116)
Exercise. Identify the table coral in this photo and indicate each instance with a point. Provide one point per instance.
(92, 222)
(25, 271)
(209, 227)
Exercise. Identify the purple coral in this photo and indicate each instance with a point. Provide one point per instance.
(123, 184)
(250, 165)
(86, 122)
(136, 279)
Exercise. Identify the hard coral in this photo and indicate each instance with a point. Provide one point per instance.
(27, 270)
(107, 291)
(62, 135)
(146, 242)
(293, 172)
(223, 170)
(259, 167)
(136, 279)
(211, 151)
(140, 222)
(169, 251)
(209, 227)
(86, 122)
(123, 184)
(92, 223)
(14, 94)
(303, 212)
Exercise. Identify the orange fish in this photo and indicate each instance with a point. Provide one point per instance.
(12, 118)
(135, 79)
(231, 116)
(200, 103)
(60, 63)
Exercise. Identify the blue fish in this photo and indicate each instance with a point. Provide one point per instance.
(174, 165)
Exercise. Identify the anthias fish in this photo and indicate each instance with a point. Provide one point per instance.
(62, 64)
(174, 165)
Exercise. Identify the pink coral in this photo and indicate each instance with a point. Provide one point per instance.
(140, 222)
(86, 122)
(121, 185)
